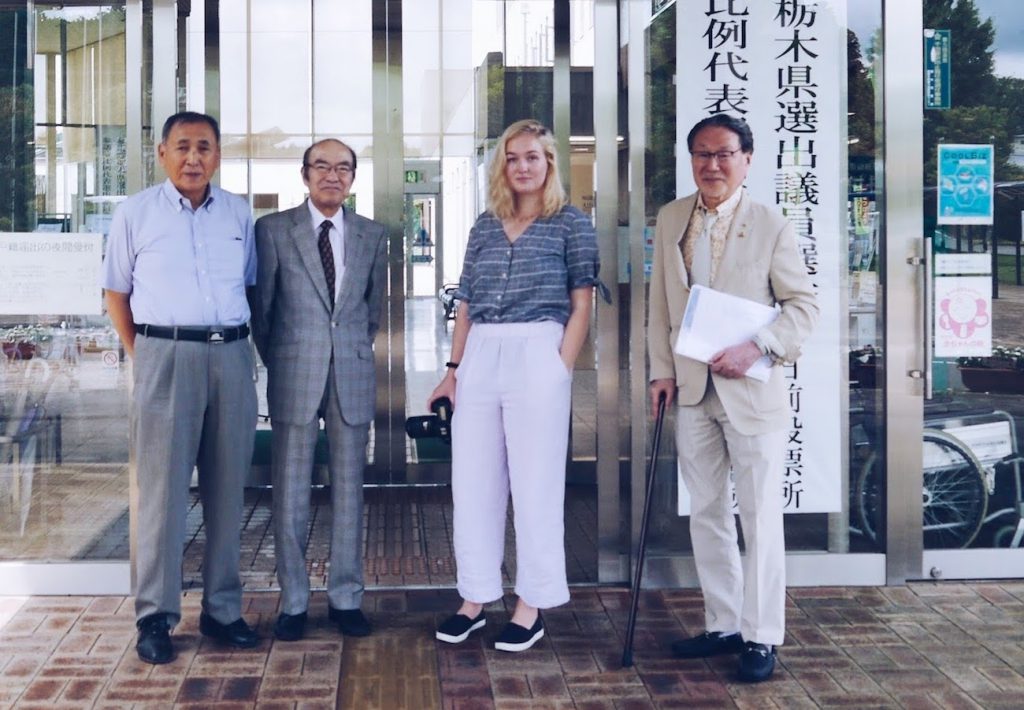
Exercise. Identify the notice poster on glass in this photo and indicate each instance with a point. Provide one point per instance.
(963, 316)
(966, 189)
(50, 273)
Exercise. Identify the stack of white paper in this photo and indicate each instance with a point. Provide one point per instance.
(714, 321)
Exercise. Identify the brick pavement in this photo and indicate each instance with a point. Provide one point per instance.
(926, 645)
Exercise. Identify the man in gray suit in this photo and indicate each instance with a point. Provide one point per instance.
(316, 309)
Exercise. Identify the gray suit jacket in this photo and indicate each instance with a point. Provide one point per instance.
(295, 330)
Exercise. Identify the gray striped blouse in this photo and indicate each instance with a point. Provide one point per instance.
(528, 280)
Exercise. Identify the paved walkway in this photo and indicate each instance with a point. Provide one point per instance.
(927, 645)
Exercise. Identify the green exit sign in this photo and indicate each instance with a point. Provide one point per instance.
(413, 176)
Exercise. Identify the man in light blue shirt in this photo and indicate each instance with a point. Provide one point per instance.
(180, 256)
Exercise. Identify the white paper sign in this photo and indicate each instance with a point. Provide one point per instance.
(50, 273)
(963, 316)
(962, 264)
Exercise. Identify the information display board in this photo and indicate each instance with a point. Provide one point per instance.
(42, 273)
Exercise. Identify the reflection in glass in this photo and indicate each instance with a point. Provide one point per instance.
(281, 66)
(63, 380)
(979, 398)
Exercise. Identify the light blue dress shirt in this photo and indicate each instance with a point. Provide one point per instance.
(182, 266)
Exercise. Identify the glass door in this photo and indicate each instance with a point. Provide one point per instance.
(972, 469)
(64, 484)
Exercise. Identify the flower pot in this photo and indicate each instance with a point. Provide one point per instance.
(993, 379)
(18, 351)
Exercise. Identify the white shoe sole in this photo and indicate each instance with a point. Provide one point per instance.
(516, 647)
(448, 638)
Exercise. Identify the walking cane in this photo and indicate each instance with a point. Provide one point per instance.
(634, 592)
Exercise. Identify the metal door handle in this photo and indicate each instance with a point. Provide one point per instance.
(928, 317)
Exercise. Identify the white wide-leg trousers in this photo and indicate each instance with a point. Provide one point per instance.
(750, 598)
(510, 432)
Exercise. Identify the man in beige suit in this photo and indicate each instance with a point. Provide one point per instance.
(720, 238)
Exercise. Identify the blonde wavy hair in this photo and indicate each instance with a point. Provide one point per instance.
(500, 197)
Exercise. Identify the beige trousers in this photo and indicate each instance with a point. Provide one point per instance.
(749, 598)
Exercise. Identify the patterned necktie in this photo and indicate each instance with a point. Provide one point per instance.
(700, 270)
(327, 256)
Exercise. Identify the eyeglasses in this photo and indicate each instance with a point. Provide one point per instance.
(722, 156)
(324, 169)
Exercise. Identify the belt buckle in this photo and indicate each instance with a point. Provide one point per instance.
(216, 336)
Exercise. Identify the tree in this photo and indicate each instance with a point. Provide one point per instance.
(1009, 96)
(17, 178)
(972, 65)
(980, 113)
(860, 100)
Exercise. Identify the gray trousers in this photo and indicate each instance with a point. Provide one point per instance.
(194, 405)
(292, 458)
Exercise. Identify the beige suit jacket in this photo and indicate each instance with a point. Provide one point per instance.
(761, 262)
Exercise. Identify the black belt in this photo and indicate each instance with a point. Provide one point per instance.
(213, 334)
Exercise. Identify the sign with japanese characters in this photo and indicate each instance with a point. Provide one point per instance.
(962, 264)
(965, 184)
(936, 69)
(963, 316)
(50, 273)
(780, 65)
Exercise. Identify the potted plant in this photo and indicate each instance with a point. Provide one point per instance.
(1002, 372)
(23, 342)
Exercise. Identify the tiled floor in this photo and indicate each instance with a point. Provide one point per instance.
(928, 645)
(406, 541)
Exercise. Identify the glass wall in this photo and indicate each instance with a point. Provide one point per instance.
(63, 376)
(424, 94)
(467, 70)
(818, 155)
(973, 205)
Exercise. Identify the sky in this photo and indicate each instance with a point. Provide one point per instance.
(1008, 19)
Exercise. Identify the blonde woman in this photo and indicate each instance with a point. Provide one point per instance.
(525, 297)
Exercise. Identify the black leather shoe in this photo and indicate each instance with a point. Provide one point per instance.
(351, 622)
(757, 662)
(154, 644)
(290, 627)
(237, 633)
(709, 643)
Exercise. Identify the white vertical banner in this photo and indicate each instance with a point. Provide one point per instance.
(781, 66)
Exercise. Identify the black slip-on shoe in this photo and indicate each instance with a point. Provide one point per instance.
(290, 627)
(238, 633)
(154, 644)
(757, 662)
(517, 638)
(709, 643)
(458, 627)
(351, 622)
